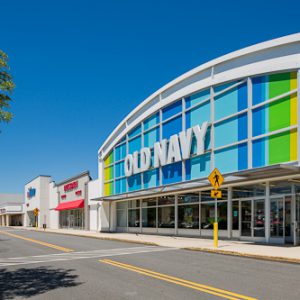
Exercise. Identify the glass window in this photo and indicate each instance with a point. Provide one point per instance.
(279, 188)
(222, 216)
(151, 121)
(171, 127)
(134, 182)
(108, 188)
(197, 167)
(276, 217)
(259, 89)
(122, 205)
(235, 215)
(120, 169)
(172, 173)
(109, 159)
(121, 186)
(135, 131)
(197, 98)
(121, 217)
(120, 152)
(259, 218)
(134, 218)
(231, 102)
(151, 178)
(108, 173)
(188, 216)
(207, 215)
(171, 110)
(133, 203)
(166, 217)
(166, 200)
(248, 191)
(232, 159)
(149, 202)
(198, 115)
(149, 217)
(231, 131)
(135, 145)
(188, 198)
(151, 137)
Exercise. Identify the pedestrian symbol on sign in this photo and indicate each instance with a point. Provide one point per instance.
(215, 178)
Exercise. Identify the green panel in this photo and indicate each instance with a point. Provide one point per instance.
(279, 84)
(279, 148)
(279, 114)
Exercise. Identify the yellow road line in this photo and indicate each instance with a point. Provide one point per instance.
(37, 242)
(190, 284)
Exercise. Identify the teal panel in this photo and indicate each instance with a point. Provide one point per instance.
(198, 115)
(196, 98)
(198, 167)
(151, 137)
(226, 160)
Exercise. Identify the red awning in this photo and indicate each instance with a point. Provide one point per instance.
(70, 205)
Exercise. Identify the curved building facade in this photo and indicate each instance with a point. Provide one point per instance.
(238, 113)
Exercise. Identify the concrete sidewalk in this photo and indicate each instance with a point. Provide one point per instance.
(238, 248)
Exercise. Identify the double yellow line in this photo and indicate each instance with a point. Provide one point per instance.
(179, 281)
(37, 242)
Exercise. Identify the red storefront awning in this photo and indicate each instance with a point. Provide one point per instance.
(70, 205)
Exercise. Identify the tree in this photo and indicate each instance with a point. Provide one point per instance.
(6, 88)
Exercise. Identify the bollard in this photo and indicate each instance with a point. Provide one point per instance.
(216, 234)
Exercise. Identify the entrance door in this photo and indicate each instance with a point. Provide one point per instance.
(253, 218)
(246, 218)
(297, 225)
(72, 219)
(288, 219)
(276, 218)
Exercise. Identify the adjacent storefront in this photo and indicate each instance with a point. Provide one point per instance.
(239, 113)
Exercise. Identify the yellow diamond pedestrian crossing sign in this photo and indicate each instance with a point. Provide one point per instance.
(216, 179)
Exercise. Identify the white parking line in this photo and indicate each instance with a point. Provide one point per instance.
(14, 261)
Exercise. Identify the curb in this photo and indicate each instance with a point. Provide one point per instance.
(98, 237)
(246, 255)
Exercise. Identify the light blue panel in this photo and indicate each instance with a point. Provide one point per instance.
(151, 178)
(134, 182)
(135, 131)
(121, 186)
(226, 160)
(134, 145)
(151, 121)
(120, 169)
(151, 137)
(171, 127)
(198, 167)
(196, 98)
(226, 132)
(198, 115)
(226, 104)
(120, 152)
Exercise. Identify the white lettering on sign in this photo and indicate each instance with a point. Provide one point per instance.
(178, 148)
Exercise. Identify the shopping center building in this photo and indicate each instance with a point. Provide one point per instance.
(238, 113)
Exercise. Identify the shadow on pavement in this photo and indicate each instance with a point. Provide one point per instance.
(31, 282)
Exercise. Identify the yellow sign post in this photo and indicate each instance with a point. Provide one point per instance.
(216, 179)
(36, 213)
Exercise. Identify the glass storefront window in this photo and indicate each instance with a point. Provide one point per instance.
(279, 188)
(133, 217)
(149, 217)
(276, 217)
(166, 217)
(121, 217)
(248, 191)
(133, 203)
(207, 215)
(166, 200)
(188, 216)
(259, 218)
(149, 202)
(72, 219)
(222, 215)
(188, 198)
(235, 215)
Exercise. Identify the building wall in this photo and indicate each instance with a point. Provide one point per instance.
(53, 202)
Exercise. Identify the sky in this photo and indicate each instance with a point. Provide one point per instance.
(81, 66)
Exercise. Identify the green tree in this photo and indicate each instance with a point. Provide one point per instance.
(6, 88)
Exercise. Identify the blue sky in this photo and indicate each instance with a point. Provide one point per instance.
(81, 66)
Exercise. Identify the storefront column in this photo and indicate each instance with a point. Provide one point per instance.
(7, 220)
(267, 212)
(229, 213)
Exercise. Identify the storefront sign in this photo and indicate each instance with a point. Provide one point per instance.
(31, 193)
(71, 186)
(177, 148)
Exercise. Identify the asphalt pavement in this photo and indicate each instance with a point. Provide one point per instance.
(37, 265)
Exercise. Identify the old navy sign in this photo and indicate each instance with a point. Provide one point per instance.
(177, 148)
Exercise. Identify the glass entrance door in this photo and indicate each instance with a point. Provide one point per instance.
(276, 217)
(246, 218)
(288, 219)
(253, 218)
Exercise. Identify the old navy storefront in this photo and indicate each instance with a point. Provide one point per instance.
(238, 113)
